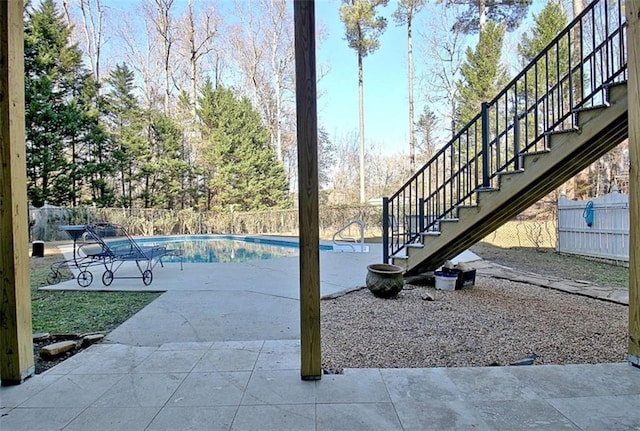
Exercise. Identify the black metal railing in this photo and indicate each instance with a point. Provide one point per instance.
(572, 73)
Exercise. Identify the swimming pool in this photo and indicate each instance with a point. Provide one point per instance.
(224, 248)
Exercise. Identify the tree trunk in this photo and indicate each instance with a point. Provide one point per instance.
(193, 60)
(361, 118)
(412, 133)
(482, 14)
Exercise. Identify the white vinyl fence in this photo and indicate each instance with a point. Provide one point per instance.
(607, 237)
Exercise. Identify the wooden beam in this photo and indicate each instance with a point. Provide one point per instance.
(16, 345)
(307, 119)
(633, 62)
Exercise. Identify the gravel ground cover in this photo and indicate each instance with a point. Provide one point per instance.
(496, 322)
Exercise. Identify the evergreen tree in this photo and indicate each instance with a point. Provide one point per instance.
(510, 13)
(125, 125)
(246, 173)
(483, 75)
(551, 20)
(172, 169)
(61, 127)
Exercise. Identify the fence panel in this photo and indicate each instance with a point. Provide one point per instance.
(606, 237)
(44, 222)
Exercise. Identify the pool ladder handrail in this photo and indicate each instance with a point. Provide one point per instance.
(349, 240)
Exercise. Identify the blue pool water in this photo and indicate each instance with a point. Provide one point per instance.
(224, 249)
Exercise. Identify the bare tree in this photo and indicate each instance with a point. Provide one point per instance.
(163, 23)
(443, 49)
(137, 44)
(263, 50)
(196, 40)
(344, 180)
(92, 15)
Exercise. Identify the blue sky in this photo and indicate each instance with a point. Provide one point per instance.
(385, 74)
(385, 78)
(385, 83)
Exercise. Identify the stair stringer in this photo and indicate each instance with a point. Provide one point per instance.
(599, 131)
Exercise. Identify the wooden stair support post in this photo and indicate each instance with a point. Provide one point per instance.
(16, 346)
(633, 64)
(307, 118)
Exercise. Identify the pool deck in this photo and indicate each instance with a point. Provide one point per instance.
(220, 350)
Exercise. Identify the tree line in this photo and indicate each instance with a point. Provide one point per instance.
(199, 109)
(92, 139)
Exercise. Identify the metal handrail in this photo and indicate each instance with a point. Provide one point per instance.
(572, 73)
(361, 224)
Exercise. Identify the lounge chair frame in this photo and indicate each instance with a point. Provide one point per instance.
(108, 245)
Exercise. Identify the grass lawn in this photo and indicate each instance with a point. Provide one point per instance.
(75, 312)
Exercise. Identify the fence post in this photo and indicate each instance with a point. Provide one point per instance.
(485, 145)
(633, 90)
(385, 230)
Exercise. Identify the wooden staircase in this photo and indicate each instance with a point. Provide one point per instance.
(599, 130)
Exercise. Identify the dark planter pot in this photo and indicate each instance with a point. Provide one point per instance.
(384, 280)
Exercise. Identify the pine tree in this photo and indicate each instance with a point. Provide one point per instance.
(363, 31)
(172, 170)
(125, 127)
(62, 126)
(483, 75)
(551, 20)
(245, 172)
(510, 13)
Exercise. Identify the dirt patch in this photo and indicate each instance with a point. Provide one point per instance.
(43, 363)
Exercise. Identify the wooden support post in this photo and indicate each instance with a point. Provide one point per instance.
(307, 117)
(633, 88)
(16, 345)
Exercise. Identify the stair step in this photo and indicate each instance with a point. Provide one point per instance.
(431, 233)
(449, 220)
(536, 153)
(414, 245)
(486, 189)
(562, 131)
(591, 108)
(519, 171)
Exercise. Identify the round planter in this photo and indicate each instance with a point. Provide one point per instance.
(384, 280)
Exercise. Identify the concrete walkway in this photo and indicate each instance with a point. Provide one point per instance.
(220, 351)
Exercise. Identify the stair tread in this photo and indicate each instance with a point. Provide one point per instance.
(591, 108)
(562, 131)
(536, 153)
(414, 245)
(519, 171)
(431, 233)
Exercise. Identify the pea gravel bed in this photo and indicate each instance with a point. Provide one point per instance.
(496, 322)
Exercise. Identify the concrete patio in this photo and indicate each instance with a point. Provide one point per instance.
(219, 350)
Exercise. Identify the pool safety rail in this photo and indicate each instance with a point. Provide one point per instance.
(340, 240)
(107, 245)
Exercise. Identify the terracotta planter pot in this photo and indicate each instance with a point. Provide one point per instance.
(384, 280)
